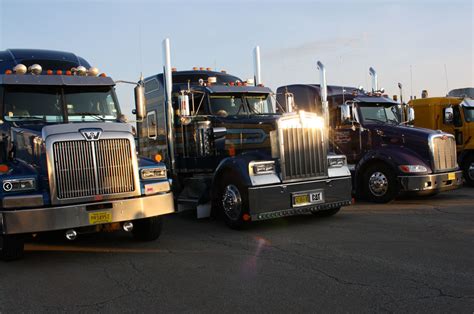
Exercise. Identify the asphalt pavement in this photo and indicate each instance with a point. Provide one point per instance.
(412, 255)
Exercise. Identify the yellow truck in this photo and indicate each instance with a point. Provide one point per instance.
(452, 114)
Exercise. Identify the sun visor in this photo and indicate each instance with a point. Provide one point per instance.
(468, 102)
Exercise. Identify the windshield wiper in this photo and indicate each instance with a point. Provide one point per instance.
(90, 114)
(376, 120)
(28, 118)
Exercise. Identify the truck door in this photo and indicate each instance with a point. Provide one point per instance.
(456, 127)
(346, 138)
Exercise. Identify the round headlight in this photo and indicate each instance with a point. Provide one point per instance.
(80, 70)
(93, 71)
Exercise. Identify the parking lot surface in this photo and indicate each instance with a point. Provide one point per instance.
(412, 255)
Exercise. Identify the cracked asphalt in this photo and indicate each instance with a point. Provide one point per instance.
(412, 255)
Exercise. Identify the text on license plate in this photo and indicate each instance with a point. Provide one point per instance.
(100, 217)
(308, 198)
(452, 176)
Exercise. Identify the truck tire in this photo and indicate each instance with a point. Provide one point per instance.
(232, 202)
(12, 247)
(147, 229)
(326, 213)
(380, 183)
(468, 170)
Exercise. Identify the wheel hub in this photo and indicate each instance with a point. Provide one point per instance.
(471, 171)
(378, 184)
(232, 202)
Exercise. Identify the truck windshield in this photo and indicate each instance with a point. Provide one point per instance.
(240, 104)
(469, 114)
(379, 113)
(47, 103)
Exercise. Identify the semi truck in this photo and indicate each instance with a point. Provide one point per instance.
(386, 156)
(453, 114)
(68, 161)
(230, 154)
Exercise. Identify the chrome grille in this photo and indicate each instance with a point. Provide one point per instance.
(85, 169)
(303, 153)
(444, 153)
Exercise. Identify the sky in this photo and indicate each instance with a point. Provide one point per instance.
(422, 44)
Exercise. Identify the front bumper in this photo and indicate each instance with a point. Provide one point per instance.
(75, 216)
(273, 201)
(431, 183)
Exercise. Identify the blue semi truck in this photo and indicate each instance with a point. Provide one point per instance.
(230, 153)
(68, 160)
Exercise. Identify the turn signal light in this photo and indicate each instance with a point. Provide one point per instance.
(158, 158)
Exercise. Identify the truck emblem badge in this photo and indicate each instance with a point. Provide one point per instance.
(91, 134)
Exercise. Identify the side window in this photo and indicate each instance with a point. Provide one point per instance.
(457, 119)
(151, 124)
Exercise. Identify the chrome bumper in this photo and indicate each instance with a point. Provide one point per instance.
(431, 183)
(273, 201)
(75, 216)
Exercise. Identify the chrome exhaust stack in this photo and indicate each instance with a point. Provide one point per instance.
(324, 93)
(168, 82)
(71, 235)
(256, 65)
(373, 74)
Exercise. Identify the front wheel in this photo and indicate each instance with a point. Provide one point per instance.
(232, 201)
(12, 247)
(147, 229)
(380, 183)
(468, 170)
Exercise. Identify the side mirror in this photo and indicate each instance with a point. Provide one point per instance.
(183, 105)
(290, 102)
(140, 105)
(411, 115)
(448, 115)
(346, 115)
(219, 132)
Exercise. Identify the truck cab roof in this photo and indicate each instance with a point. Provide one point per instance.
(48, 59)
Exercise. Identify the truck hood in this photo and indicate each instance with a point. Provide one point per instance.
(414, 139)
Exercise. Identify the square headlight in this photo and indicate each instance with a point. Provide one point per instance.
(153, 173)
(263, 167)
(337, 161)
(17, 185)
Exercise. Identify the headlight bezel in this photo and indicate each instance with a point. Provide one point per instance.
(15, 185)
(413, 169)
(337, 161)
(257, 168)
(153, 173)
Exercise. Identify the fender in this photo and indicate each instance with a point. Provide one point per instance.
(393, 156)
(239, 165)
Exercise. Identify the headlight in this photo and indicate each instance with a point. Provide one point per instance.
(413, 168)
(17, 185)
(153, 173)
(262, 167)
(337, 161)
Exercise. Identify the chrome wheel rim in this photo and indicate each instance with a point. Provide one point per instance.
(378, 184)
(232, 202)
(470, 171)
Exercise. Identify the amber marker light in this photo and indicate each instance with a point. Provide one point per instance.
(4, 168)
(246, 217)
(49, 72)
(158, 158)
(103, 75)
(59, 72)
(8, 72)
(68, 72)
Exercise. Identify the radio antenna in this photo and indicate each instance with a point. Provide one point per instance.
(411, 82)
(446, 76)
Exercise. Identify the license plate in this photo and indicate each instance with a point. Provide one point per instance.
(100, 217)
(452, 176)
(308, 198)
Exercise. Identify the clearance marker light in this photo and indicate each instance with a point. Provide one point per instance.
(49, 72)
(158, 158)
(59, 72)
(8, 72)
(4, 168)
(68, 72)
